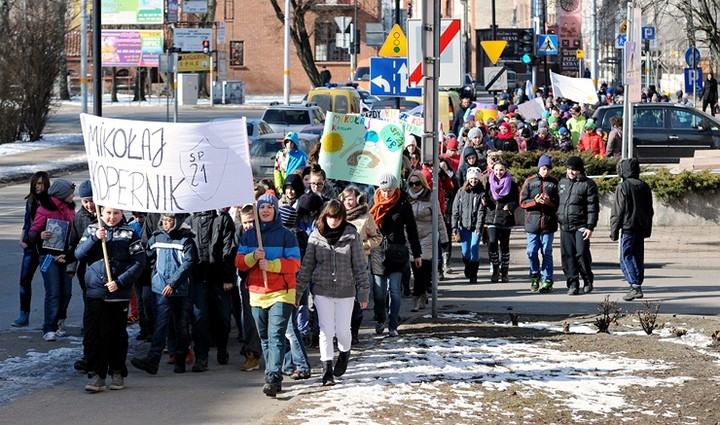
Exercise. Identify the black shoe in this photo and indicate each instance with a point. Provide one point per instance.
(81, 365)
(341, 364)
(271, 390)
(179, 367)
(588, 287)
(634, 293)
(327, 379)
(148, 363)
(200, 366)
(223, 357)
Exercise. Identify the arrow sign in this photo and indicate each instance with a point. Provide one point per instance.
(493, 49)
(446, 37)
(382, 83)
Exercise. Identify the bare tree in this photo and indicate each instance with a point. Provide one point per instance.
(300, 36)
(703, 23)
(31, 53)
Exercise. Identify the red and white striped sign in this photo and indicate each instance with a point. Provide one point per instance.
(451, 61)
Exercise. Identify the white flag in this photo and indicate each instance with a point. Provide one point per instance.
(532, 109)
(168, 167)
(581, 90)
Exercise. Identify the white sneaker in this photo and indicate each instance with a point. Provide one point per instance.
(393, 334)
(50, 336)
(61, 332)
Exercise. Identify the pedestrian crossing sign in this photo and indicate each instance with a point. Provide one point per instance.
(547, 44)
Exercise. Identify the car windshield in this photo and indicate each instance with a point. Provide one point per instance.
(284, 116)
(362, 73)
(324, 101)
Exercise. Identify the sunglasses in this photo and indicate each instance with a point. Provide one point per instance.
(317, 184)
(414, 183)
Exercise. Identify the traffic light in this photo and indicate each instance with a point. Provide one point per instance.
(530, 59)
(525, 43)
(206, 47)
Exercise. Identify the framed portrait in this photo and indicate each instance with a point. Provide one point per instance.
(59, 230)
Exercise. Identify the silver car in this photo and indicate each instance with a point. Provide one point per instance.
(265, 147)
(284, 118)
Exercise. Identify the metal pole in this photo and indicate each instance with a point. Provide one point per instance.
(286, 56)
(397, 21)
(97, 60)
(595, 49)
(175, 90)
(83, 57)
(627, 107)
(167, 85)
(354, 26)
(212, 82)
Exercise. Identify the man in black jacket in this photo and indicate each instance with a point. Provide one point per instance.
(632, 212)
(577, 216)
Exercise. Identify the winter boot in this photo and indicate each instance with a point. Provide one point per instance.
(588, 286)
(341, 363)
(22, 320)
(416, 306)
(423, 300)
(355, 322)
(149, 363)
(495, 266)
(327, 378)
(634, 293)
(474, 266)
(446, 263)
(505, 268)
(467, 271)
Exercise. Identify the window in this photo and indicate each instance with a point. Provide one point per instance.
(229, 10)
(649, 118)
(325, 49)
(237, 53)
(683, 119)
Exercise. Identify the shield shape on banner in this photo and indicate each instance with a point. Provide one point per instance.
(202, 178)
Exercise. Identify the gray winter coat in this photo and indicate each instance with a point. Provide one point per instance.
(338, 271)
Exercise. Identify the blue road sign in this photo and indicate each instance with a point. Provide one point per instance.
(648, 32)
(389, 77)
(689, 54)
(547, 44)
(620, 41)
(691, 73)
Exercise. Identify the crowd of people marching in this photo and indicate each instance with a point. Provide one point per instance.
(297, 269)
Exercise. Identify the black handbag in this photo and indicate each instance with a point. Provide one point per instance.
(396, 255)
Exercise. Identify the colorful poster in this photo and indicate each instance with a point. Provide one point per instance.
(167, 167)
(131, 47)
(359, 149)
(131, 12)
(483, 112)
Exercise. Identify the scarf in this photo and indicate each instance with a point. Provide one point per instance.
(382, 206)
(333, 235)
(357, 212)
(500, 188)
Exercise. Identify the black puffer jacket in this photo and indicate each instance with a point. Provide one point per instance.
(83, 218)
(579, 204)
(126, 256)
(632, 208)
(216, 245)
(496, 213)
(540, 218)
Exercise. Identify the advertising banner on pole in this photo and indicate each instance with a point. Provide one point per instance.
(131, 47)
(131, 12)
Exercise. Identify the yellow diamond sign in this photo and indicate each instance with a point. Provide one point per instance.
(395, 45)
(494, 49)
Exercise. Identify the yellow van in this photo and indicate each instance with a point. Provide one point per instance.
(344, 100)
(448, 103)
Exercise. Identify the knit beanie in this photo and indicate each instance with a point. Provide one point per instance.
(61, 188)
(474, 132)
(309, 202)
(85, 190)
(388, 181)
(473, 173)
(545, 160)
(575, 163)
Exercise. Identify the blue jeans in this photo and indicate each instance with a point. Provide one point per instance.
(303, 314)
(164, 308)
(295, 356)
(540, 242)
(632, 257)
(30, 263)
(271, 325)
(381, 286)
(58, 291)
(470, 244)
(211, 312)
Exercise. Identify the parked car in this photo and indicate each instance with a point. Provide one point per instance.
(362, 74)
(255, 127)
(367, 98)
(391, 103)
(265, 147)
(284, 118)
(448, 103)
(665, 132)
(334, 98)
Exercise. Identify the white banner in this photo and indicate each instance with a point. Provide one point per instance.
(168, 167)
(532, 109)
(581, 90)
